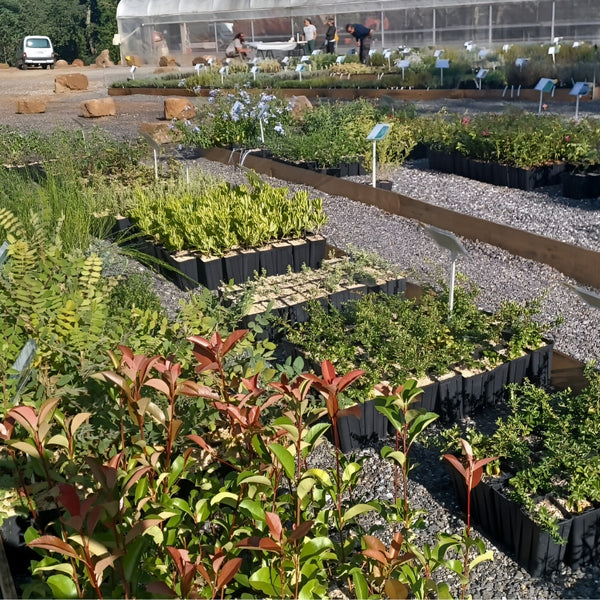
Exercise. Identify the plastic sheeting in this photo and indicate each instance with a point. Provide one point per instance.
(187, 28)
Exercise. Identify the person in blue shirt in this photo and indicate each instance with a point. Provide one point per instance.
(362, 35)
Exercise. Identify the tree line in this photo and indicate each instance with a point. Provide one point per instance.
(77, 28)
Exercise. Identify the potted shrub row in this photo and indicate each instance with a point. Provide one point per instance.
(540, 500)
(219, 232)
(514, 149)
(462, 364)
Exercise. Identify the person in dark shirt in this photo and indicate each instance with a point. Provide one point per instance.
(330, 36)
(362, 35)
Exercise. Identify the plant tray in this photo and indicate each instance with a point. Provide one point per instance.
(534, 549)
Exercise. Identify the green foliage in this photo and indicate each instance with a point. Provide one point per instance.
(221, 217)
(513, 138)
(548, 449)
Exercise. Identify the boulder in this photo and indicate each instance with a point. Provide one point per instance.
(61, 64)
(203, 60)
(71, 82)
(167, 61)
(77, 63)
(179, 108)
(300, 104)
(4, 66)
(133, 61)
(104, 60)
(100, 107)
(161, 133)
(31, 106)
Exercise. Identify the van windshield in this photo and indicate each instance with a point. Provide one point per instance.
(38, 43)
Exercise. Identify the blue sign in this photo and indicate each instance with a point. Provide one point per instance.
(379, 132)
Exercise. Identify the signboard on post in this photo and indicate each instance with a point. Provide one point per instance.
(581, 88)
(544, 85)
(377, 134)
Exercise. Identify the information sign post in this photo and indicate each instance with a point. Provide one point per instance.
(377, 134)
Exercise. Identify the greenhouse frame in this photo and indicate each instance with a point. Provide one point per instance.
(184, 29)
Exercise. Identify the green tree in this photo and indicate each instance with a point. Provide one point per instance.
(9, 29)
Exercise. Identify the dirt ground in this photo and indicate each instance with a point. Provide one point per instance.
(63, 110)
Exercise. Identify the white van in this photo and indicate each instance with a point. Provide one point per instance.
(35, 51)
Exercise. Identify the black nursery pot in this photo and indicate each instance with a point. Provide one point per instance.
(354, 433)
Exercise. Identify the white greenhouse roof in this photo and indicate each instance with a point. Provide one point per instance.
(218, 10)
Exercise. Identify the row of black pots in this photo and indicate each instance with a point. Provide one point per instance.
(507, 524)
(342, 169)
(456, 396)
(579, 185)
(295, 312)
(189, 269)
(496, 173)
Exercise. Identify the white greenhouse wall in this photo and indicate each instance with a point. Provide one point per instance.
(188, 28)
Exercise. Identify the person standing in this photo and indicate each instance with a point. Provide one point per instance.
(330, 36)
(362, 35)
(310, 36)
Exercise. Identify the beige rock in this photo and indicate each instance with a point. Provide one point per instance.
(203, 60)
(70, 82)
(300, 104)
(4, 66)
(100, 107)
(179, 108)
(133, 61)
(61, 64)
(77, 63)
(31, 106)
(167, 61)
(161, 133)
(104, 60)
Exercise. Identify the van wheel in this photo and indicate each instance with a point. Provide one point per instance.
(24, 67)
(45, 66)
(52, 66)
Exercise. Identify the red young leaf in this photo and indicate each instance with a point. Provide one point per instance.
(379, 556)
(353, 411)
(232, 340)
(54, 544)
(374, 543)
(300, 531)
(69, 498)
(230, 568)
(274, 523)
(160, 588)
(455, 462)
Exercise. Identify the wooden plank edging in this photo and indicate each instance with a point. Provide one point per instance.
(581, 264)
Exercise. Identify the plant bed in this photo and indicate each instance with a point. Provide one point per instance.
(544, 486)
(395, 339)
(506, 524)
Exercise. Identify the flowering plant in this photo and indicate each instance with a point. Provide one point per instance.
(238, 120)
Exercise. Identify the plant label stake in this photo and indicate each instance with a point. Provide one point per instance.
(254, 70)
(448, 241)
(299, 68)
(377, 133)
(544, 85)
(132, 70)
(441, 64)
(480, 77)
(261, 115)
(223, 71)
(403, 63)
(581, 88)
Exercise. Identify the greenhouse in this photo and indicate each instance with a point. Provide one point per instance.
(184, 29)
